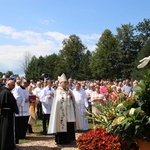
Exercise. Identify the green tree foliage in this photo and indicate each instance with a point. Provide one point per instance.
(50, 64)
(84, 71)
(40, 66)
(31, 71)
(8, 74)
(71, 55)
(145, 52)
(1, 74)
(60, 67)
(104, 62)
(143, 30)
(128, 47)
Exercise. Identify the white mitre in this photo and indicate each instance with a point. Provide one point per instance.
(62, 78)
(144, 62)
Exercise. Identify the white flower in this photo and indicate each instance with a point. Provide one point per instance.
(148, 120)
(144, 62)
(131, 112)
(120, 105)
(118, 120)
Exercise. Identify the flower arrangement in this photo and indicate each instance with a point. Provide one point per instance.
(108, 117)
(130, 119)
(101, 140)
(133, 118)
(98, 139)
(121, 120)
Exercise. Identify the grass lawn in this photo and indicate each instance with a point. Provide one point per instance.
(37, 129)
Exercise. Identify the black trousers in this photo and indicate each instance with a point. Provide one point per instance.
(21, 124)
(66, 137)
(45, 122)
(39, 110)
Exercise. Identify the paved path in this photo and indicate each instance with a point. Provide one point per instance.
(41, 142)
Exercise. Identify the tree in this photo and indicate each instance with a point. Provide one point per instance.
(1, 74)
(31, 71)
(84, 71)
(40, 66)
(145, 52)
(51, 62)
(9, 73)
(129, 47)
(60, 67)
(143, 30)
(25, 61)
(71, 55)
(104, 62)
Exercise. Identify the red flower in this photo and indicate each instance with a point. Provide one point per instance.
(99, 139)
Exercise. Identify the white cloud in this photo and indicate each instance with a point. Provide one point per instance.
(38, 44)
(91, 47)
(91, 40)
(56, 35)
(11, 56)
(46, 21)
(89, 37)
(6, 30)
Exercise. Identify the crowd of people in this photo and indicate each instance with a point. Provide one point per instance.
(61, 105)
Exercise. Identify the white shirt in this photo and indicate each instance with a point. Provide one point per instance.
(80, 97)
(46, 102)
(89, 92)
(37, 92)
(21, 95)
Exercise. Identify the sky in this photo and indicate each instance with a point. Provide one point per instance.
(38, 27)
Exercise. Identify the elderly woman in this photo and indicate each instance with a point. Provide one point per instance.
(97, 98)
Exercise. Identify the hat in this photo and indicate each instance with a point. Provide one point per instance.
(62, 78)
(12, 77)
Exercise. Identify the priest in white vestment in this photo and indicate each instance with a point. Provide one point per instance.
(46, 99)
(64, 120)
(21, 95)
(82, 103)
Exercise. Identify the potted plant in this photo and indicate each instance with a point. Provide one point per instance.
(133, 119)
